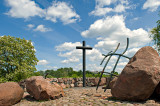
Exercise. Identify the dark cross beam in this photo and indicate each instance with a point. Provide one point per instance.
(84, 48)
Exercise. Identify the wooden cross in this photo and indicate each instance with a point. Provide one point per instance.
(84, 48)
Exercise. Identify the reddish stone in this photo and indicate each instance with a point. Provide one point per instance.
(96, 80)
(10, 93)
(42, 89)
(140, 76)
(63, 85)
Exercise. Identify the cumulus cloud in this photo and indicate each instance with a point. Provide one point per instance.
(131, 52)
(42, 28)
(111, 30)
(94, 55)
(24, 9)
(99, 11)
(62, 11)
(103, 7)
(67, 46)
(94, 67)
(122, 63)
(71, 60)
(30, 26)
(28, 8)
(152, 5)
(43, 62)
(70, 53)
(102, 3)
(68, 50)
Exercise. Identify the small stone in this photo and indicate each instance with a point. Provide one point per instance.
(150, 101)
(67, 86)
(83, 96)
(97, 95)
(63, 85)
(71, 85)
(151, 104)
(128, 104)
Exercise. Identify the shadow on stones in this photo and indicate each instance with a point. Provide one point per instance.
(29, 98)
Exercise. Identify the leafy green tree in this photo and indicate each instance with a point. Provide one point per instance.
(41, 73)
(17, 58)
(155, 35)
(80, 73)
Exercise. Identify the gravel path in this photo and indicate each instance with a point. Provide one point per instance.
(84, 97)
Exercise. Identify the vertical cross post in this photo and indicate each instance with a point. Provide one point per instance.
(84, 48)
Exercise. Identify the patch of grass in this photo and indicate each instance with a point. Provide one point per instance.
(42, 100)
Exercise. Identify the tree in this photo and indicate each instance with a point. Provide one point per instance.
(155, 35)
(17, 58)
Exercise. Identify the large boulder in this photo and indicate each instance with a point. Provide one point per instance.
(140, 76)
(10, 93)
(42, 89)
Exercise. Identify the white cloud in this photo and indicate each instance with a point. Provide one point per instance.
(122, 63)
(74, 55)
(111, 30)
(99, 11)
(71, 60)
(136, 18)
(94, 55)
(42, 28)
(24, 9)
(94, 67)
(103, 7)
(131, 52)
(78, 67)
(43, 62)
(119, 70)
(102, 3)
(152, 5)
(120, 8)
(68, 46)
(30, 26)
(32, 43)
(28, 8)
(109, 67)
(1, 36)
(62, 11)
(70, 52)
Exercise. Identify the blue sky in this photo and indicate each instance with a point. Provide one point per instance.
(56, 27)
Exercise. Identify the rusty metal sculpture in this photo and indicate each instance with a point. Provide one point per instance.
(113, 71)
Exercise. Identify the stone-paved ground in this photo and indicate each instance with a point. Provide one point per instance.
(84, 97)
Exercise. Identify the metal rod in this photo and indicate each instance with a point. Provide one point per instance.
(116, 54)
(116, 65)
(105, 57)
(106, 65)
(111, 73)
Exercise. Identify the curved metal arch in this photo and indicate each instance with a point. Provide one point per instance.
(106, 64)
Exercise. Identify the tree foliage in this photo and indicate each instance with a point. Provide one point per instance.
(68, 73)
(155, 35)
(17, 58)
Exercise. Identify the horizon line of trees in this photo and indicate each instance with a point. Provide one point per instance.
(69, 73)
